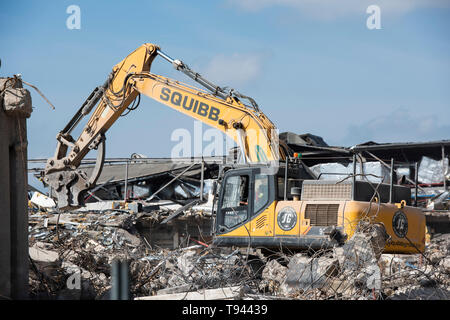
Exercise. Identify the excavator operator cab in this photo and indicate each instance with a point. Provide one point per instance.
(247, 192)
(244, 193)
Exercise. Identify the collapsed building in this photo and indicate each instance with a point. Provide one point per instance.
(157, 215)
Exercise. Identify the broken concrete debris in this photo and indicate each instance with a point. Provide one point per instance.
(357, 270)
(167, 242)
(72, 256)
(310, 274)
(208, 294)
(82, 245)
(15, 100)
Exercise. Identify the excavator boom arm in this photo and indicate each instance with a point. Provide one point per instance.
(222, 109)
(251, 129)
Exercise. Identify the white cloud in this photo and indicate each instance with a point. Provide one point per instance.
(398, 126)
(233, 70)
(330, 9)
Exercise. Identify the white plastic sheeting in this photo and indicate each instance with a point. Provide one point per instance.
(430, 171)
(327, 171)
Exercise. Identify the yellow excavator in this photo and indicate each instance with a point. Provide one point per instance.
(270, 199)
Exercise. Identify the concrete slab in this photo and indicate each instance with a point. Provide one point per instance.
(209, 294)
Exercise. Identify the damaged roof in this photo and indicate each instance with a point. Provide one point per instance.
(144, 168)
(314, 150)
(406, 151)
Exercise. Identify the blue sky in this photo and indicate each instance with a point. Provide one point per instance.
(312, 66)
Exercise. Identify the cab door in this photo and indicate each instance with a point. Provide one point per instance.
(263, 205)
(235, 203)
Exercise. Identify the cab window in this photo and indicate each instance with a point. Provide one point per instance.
(261, 192)
(235, 200)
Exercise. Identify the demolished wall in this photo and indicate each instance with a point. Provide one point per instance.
(15, 107)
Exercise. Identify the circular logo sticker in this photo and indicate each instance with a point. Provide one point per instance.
(287, 218)
(400, 224)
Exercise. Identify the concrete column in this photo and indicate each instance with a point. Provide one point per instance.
(15, 107)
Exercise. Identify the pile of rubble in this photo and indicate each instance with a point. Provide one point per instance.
(71, 256)
(360, 271)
